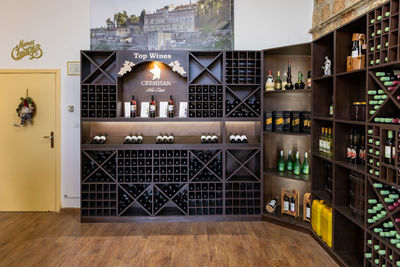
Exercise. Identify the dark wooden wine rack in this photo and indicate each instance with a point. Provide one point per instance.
(185, 180)
(342, 88)
(382, 52)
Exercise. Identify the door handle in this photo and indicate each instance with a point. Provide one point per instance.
(51, 137)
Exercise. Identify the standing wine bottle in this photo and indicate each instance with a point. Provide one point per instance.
(152, 110)
(349, 147)
(269, 85)
(170, 108)
(284, 80)
(286, 203)
(278, 82)
(293, 204)
(305, 167)
(281, 162)
(299, 84)
(133, 107)
(309, 80)
(289, 84)
(297, 164)
(289, 162)
(308, 211)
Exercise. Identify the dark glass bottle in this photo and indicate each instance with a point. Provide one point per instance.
(152, 109)
(289, 84)
(300, 84)
(170, 109)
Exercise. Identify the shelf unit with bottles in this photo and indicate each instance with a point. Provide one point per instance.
(186, 180)
(276, 59)
(333, 184)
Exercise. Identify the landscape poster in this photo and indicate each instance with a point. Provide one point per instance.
(161, 24)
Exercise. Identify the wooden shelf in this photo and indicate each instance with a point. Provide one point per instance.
(350, 72)
(324, 77)
(288, 175)
(323, 118)
(323, 195)
(345, 211)
(350, 122)
(287, 133)
(357, 168)
(279, 218)
(302, 91)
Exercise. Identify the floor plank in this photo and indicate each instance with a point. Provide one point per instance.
(51, 239)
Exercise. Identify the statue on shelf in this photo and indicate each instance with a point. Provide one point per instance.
(327, 67)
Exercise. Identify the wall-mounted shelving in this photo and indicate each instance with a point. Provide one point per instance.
(354, 241)
(184, 180)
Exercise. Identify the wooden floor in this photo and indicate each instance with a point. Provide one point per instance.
(50, 239)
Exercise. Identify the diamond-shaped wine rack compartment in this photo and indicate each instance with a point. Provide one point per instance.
(383, 32)
(243, 165)
(242, 198)
(170, 199)
(383, 216)
(206, 199)
(205, 166)
(243, 101)
(98, 166)
(383, 106)
(243, 67)
(135, 199)
(205, 68)
(135, 166)
(205, 101)
(98, 84)
(170, 166)
(98, 101)
(98, 67)
(98, 200)
(378, 165)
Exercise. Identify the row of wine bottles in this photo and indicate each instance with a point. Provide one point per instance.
(133, 139)
(355, 149)
(152, 108)
(286, 84)
(293, 165)
(238, 138)
(150, 153)
(209, 138)
(326, 142)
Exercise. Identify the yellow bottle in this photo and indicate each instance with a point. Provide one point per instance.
(316, 216)
(329, 232)
(324, 224)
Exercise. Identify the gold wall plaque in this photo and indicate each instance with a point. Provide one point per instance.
(24, 49)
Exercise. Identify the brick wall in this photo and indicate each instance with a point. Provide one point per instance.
(325, 9)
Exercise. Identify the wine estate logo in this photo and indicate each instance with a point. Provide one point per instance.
(24, 49)
(156, 72)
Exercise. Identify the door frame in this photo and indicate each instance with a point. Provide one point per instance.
(57, 130)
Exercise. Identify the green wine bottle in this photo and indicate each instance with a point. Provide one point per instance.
(289, 162)
(297, 165)
(306, 167)
(281, 163)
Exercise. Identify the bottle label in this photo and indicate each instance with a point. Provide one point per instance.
(152, 107)
(305, 170)
(272, 203)
(361, 154)
(279, 121)
(286, 205)
(170, 108)
(296, 122)
(353, 153)
(324, 145)
(348, 154)
(393, 153)
(321, 145)
(388, 152)
(292, 207)
(308, 213)
(297, 170)
(269, 121)
(354, 53)
(328, 146)
(290, 166)
(133, 107)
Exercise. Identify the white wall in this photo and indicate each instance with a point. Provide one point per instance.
(62, 29)
(261, 24)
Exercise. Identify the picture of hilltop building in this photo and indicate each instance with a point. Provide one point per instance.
(206, 24)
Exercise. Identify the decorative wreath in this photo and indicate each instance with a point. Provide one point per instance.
(26, 110)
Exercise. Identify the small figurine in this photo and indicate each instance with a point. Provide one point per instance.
(327, 67)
